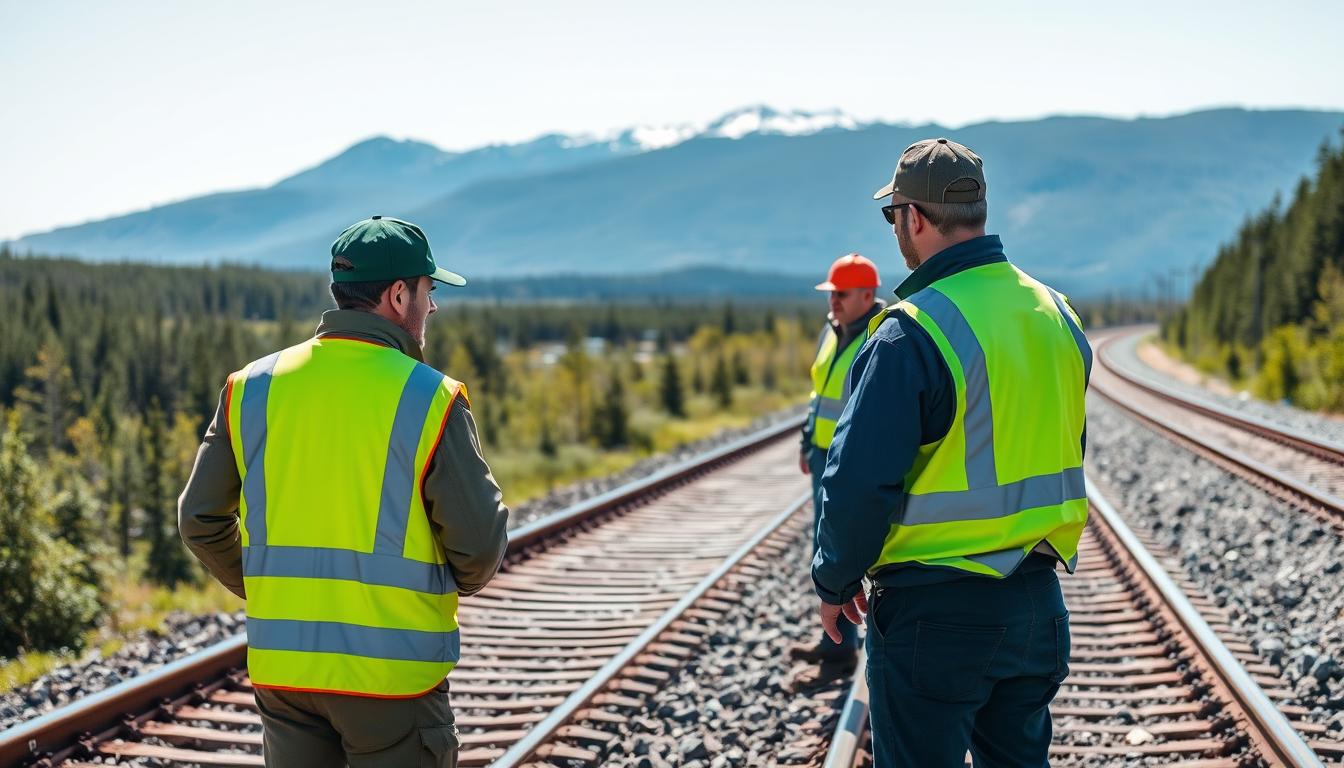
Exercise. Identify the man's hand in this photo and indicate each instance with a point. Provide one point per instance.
(802, 464)
(854, 611)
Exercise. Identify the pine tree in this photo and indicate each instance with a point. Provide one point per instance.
(576, 363)
(169, 563)
(741, 376)
(546, 444)
(669, 388)
(720, 384)
(612, 417)
(49, 391)
(76, 518)
(122, 491)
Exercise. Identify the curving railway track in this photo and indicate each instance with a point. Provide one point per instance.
(592, 608)
(1299, 468)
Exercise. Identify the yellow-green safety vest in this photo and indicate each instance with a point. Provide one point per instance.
(830, 384)
(1007, 478)
(347, 587)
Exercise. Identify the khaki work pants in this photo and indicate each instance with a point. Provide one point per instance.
(327, 730)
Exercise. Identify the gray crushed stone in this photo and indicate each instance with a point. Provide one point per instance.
(1276, 569)
(742, 701)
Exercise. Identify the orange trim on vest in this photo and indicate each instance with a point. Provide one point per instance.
(228, 403)
(348, 693)
(424, 471)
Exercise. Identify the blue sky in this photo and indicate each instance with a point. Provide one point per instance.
(113, 107)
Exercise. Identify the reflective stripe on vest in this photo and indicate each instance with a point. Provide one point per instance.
(830, 384)
(348, 589)
(981, 501)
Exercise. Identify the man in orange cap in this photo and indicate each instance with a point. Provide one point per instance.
(851, 283)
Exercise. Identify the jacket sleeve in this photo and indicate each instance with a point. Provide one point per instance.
(901, 398)
(465, 505)
(207, 510)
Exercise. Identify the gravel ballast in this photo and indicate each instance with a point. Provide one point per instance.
(1275, 569)
(741, 701)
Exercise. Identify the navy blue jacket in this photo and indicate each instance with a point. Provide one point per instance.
(902, 397)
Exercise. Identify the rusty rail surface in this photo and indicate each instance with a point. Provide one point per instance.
(1156, 676)
(635, 568)
(1304, 470)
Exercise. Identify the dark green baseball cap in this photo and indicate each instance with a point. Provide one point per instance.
(937, 171)
(384, 248)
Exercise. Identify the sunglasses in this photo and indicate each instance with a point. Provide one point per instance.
(889, 211)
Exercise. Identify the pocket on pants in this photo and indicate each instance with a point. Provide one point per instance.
(951, 661)
(1063, 646)
(438, 747)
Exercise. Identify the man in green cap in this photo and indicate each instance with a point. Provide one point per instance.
(954, 484)
(340, 490)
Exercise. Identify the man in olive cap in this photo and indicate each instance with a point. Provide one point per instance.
(954, 483)
(340, 490)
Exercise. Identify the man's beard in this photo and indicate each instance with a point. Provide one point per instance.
(907, 246)
(411, 326)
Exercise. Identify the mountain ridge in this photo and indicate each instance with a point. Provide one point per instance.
(1087, 200)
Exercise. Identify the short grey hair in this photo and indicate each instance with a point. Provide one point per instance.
(946, 217)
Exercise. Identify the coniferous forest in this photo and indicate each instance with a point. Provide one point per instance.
(1269, 312)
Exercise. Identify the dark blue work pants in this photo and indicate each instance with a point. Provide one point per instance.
(966, 664)
(849, 633)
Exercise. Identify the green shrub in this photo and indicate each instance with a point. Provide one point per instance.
(44, 602)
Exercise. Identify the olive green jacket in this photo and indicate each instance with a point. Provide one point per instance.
(464, 502)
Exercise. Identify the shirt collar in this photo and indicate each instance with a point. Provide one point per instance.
(976, 252)
(369, 327)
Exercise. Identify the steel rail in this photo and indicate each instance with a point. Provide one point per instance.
(1278, 741)
(58, 727)
(1300, 440)
(1333, 506)
(103, 710)
(543, 731)
(538, 530)
(848, 737)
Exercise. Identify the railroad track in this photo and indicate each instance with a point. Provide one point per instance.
(1156, 677)
(594, 606)
(1304, 470)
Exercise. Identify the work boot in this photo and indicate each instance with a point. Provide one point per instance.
(824, 652)
(812, 676)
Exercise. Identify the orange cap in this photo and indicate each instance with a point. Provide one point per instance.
(851, 271)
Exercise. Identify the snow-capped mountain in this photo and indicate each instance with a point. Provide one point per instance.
(742, 122)
(756, 189)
